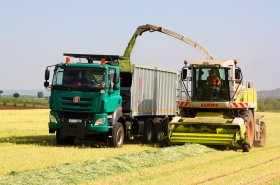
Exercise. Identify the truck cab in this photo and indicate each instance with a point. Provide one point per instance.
(85, 99)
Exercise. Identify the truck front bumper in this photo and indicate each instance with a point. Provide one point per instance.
(79, 127)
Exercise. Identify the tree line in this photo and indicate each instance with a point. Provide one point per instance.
(269, 104)
(16, 94)
(266, 104)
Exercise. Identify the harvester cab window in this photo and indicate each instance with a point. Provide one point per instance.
(210, 84)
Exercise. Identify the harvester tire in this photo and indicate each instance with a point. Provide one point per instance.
(262, 141)
(117, 136)
(250, 127)
(148, 131)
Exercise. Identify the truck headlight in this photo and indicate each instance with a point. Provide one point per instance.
(100, 121)
(53, 119)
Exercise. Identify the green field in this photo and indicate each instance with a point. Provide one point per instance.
(22, 100)
(29, 155)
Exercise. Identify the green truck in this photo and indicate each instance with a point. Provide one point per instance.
(96, 100)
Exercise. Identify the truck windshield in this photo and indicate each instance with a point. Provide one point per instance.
(210, 84)
(73, 77)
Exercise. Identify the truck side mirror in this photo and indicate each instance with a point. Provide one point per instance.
(46, 84)
(47, 74)
(116, 80)
(184, 73)
(116, 77)
(238, 74)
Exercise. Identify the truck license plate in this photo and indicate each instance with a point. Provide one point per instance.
(75, 121)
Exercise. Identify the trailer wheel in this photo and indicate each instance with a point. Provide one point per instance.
(165, 126)
(262, 141)
(158, 130)
(148, 131)
(117, 135)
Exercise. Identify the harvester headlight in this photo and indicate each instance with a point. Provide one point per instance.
(53, 119)
(100, 121)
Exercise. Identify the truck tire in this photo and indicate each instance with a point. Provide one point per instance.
(117, 135)
(70, 140)
(148, 131)
(250, 127)
(262, 141)
(59, 139)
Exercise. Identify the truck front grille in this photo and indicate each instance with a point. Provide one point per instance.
(85, 104)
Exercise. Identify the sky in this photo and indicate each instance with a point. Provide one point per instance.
(35, 34)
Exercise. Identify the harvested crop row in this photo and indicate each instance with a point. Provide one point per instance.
(220, 167)
(96, 169)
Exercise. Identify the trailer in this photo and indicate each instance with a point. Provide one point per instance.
(149, 102)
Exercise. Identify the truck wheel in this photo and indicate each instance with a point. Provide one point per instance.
(69, 140)
(59, 139)
(148, 131)
(262, 141)
(117, 135)
(64, 140)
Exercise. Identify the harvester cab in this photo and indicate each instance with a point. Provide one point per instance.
(212, 81)
(217, 108)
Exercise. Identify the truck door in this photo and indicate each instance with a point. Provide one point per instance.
(114, 98)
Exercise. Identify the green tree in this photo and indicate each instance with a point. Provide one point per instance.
(261, 105)
(269, 104)
(40, 95)
(1, 92)
(16, 95)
